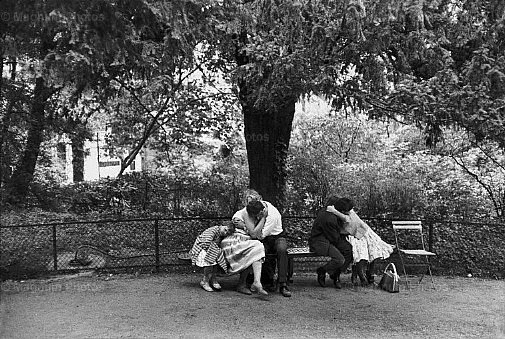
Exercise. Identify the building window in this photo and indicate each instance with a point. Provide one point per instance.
(109, 163)
(61, 150)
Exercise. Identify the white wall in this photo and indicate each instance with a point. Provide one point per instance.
(103, 166)
(110, 167)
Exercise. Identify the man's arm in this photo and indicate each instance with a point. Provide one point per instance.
(255, 230)
(273, 220)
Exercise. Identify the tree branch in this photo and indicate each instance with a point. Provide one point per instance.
(480, 181)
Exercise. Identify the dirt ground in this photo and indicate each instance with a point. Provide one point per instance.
(172, 305)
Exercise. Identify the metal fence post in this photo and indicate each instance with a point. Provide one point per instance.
(55, 254)
(157, 244)
(430, 237)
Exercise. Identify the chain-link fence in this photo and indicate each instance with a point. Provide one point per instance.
(29, 250)
(106, 244)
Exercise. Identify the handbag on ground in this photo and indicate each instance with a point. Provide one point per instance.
(390, 279)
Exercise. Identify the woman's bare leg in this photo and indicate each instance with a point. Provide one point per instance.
(256, 286)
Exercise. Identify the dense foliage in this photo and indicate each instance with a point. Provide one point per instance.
(431, 63)
(388, 170)
(66, 68)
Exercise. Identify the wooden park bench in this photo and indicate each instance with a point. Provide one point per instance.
(303, 257)
(300, 252)
(299, 255)
(293, 252)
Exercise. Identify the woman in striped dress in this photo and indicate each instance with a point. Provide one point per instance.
(206, 253)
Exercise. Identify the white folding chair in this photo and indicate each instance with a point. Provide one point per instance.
(412, 252)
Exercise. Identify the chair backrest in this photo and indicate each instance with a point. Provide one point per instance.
(409, 225)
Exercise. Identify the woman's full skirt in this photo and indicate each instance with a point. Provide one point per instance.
(241, 251)
(369, 247)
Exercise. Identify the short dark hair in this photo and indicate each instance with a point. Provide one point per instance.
(344, 205)
(332, 200)
(254, 207)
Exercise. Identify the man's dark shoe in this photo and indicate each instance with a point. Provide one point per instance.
(285, 291)
(321, 276)
(337, 284)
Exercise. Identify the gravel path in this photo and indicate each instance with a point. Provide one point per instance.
(172, 305)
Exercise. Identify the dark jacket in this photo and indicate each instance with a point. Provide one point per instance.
(326, 227)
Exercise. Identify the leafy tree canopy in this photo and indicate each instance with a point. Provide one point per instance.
(433, 63)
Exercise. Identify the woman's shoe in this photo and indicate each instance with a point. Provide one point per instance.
(337, 283)
(215, 285)
(258, 289)
(205, 285)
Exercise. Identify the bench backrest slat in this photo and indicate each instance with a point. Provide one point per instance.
(407, 225)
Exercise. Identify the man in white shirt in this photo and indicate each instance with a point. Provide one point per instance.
(273, 237)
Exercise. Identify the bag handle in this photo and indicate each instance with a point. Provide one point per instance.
(393, 266)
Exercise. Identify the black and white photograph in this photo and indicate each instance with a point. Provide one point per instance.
(252, 169)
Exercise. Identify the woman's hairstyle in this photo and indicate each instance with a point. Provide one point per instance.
(250, 195)
(254, 207)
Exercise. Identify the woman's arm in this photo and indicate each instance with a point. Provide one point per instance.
(340, 215)
(239, 223)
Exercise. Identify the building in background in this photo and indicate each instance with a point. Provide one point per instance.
(98, 163)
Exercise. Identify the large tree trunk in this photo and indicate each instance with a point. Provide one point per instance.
(6, 121)
(267, 132)
(3, 126)
(267, 137)
(23, 174)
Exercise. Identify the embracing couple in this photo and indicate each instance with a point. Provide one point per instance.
(242, 246)
(338, 232)
(258, 232)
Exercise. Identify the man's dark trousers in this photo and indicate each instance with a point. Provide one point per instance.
(340, 253)
(275, 244)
